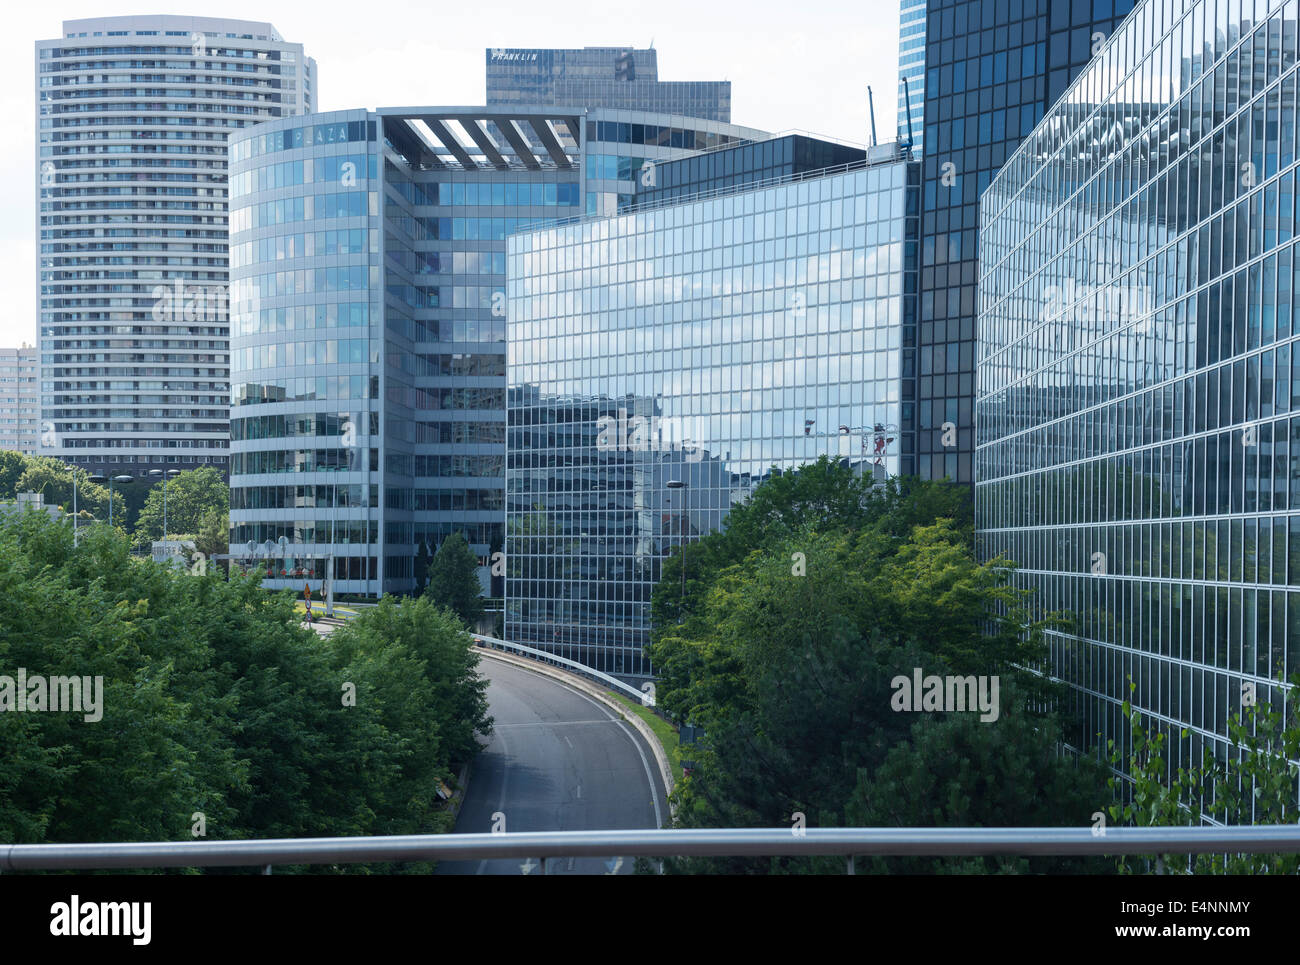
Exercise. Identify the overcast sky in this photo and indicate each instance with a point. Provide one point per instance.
(810, 75)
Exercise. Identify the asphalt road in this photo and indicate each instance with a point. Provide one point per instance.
(556, 761)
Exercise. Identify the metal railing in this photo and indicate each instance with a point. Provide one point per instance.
(580, 668)
(731, 842)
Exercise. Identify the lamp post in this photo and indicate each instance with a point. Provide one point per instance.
(74, 507)
(121, 480)
(679, 484)
(169, 474)
(334, 513)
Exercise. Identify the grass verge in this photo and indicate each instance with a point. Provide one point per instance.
(663, 731)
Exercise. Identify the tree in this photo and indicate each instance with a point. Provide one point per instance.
(959, 771)
(213, 537)
(1253, 781)
(190, 497)
(453, 580)
(54, 480)
(422, 568)
(796, 620)
(218, 702)
(12, 466)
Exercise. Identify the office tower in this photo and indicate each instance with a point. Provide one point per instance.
(20, 399)
(911, 68)
(368, 388)
(664, 361)
(599, 77)
(132, 117)
(1139, 378)
(993, 68)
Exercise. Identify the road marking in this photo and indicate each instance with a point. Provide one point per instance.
(654, 796)
(501, 801)
(549, 723)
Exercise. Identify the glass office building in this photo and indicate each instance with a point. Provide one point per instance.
(1139, 377)
(911, 67)
(368, 388)
(132, 116)
(729, 168)
(621, 78)
(992, 69)
(664, 361)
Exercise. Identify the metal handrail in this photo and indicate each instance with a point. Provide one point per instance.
(751, 842)
(645, 698)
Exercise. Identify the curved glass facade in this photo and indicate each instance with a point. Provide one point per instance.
(663, 362)
(1139, 377)
(369, 410)
(305, 407)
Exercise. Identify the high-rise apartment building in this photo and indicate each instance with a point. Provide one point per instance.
(664, 361)
(911, 68)
(369, 385)
(20, 399)
(1139, 371)
(132, 117)
(592, 77)
(992, 69)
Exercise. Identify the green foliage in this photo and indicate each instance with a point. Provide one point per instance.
(795, 621)
(217, 700)
(958, 771)
(1252, 781)
(54, 480)
(454, 582)
(192, 497)
(12, 466)
(421, 573)
(213, 536)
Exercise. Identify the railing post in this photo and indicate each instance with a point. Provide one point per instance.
(851, 869)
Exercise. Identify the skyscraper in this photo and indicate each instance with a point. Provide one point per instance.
(664, 361)
(132, 117)
(591, 77)
(911, 67)
(992, 68)
(1139, 372)
(369, 385)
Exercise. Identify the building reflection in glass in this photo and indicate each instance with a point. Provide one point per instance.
(661, 363)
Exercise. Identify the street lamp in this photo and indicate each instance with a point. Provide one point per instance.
(679, 484)
(334, 515)
(169, 474)
(121, 480)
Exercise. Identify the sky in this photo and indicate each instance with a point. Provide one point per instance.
(811, 75)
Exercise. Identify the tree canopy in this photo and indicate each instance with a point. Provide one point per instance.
(191, 498)
(798, 617)
(218, 703)
(454, 582)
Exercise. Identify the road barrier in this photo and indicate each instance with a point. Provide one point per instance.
(730, 842)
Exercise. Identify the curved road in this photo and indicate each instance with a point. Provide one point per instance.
(557, 760)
